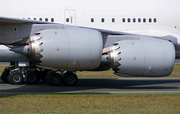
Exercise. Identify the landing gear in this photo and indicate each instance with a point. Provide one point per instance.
(15, 77)
(70, 79)
(44, 74)
(5, 75)
(54, 79)
(19, 71)
(32, 77)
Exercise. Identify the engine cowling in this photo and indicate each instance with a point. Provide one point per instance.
(69, 48)
(142, 58)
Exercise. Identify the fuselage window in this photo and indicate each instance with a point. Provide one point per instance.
(102, 20)
(29, 18)
(67, 19)
(144, 20)
(40, 19)
(113, 20)
(134, 20)
(52, 19)
(46, 19)
(150, 20)
(139, 20)
(123, 20)
(34, 18)
(155, 20)
(129, 20)
(92, 20)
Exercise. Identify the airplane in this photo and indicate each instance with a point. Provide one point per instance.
(52, 39)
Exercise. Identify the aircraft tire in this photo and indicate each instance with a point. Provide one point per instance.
(54, 79)
(44, 75)
(39, 75)
(5, 75)
(70, 79)
(15, 78)
(32, 77)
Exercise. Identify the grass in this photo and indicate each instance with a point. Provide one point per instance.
(92, 103)
(88, 104)
(109, 73)
(97, 74)
(176, 71)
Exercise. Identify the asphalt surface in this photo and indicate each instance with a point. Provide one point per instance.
(99, 86)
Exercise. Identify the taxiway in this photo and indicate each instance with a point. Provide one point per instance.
(99, 86)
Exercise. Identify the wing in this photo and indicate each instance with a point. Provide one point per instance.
(8, 20)
(103, 31)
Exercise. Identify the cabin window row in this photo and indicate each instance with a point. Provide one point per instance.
(41, 19)
(150, 20)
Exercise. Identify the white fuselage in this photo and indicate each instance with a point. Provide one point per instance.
(144, 17)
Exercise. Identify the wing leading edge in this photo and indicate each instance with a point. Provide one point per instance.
(8, 20)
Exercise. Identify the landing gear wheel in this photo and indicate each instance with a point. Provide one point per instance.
(5, 75)
(54, 79)
(70, 79)
(32, 77)
(44, 74)
(15, 78)
(39, 75)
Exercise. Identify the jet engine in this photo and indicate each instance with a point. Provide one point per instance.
(142, 58)
(69, 48)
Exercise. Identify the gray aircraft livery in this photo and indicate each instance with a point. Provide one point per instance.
(43, 37)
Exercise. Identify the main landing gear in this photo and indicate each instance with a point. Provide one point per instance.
(5, 75)
(18, 75)
(55, 79)
(32, 77)
(15, 77)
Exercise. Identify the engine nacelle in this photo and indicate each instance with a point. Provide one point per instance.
(69, 48)
(143, 58)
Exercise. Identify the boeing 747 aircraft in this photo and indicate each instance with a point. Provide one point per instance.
(43, 37)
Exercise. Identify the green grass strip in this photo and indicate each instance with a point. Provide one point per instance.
(91, 103)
